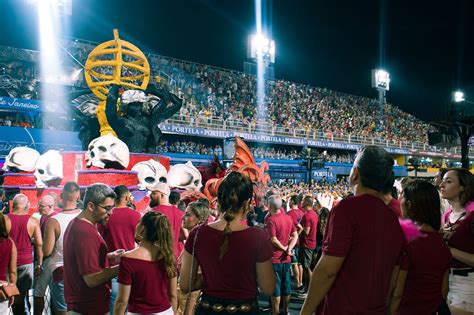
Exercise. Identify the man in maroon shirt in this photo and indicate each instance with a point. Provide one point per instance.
(86, 277)
(362, 245)
(283, 236)
(23, 229)
(119, 232)
(159, 202)
(309, 223)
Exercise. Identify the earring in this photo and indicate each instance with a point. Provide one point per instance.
(156, 244)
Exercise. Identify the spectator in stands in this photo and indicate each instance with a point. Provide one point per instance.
(119, 232)
(85, 272)
(3, 202)
(24, 230)
(46, 209)
(234, 258)
(283, 235)
(458, 188)
(356, 262)
(159, 202)
(147, 275)
(422, 283)
(53, 244)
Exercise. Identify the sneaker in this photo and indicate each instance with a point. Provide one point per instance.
(300, 289)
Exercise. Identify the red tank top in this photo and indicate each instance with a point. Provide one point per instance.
(19, 234)
(6, 250)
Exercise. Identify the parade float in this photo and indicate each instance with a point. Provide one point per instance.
(120, 116)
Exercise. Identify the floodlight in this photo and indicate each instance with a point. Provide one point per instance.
(380, 79)
(261, 46)
(458, 96)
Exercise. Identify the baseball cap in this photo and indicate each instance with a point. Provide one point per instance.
(161, 187)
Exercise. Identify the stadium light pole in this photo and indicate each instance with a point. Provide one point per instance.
(463, 126)
(381, 82)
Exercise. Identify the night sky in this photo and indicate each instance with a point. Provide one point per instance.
(427, 46)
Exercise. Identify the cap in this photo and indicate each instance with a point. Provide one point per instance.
(161, 187)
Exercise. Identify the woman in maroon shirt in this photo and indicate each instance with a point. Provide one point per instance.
(422, 284)
(457, 188)
(7, 263)
(147, 274)
(235, 259)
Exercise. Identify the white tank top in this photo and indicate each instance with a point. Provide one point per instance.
(56, 259)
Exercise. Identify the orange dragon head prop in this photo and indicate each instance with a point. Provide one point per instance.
(243, 163)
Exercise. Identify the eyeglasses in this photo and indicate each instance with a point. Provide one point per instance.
(107, 209)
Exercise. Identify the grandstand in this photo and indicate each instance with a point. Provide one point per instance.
(219, 103)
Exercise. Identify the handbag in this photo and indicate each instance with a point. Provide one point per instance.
(10, 290)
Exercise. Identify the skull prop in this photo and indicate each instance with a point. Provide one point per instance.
(150, 173)
(185, 176)
(107, 152)
(49, 169)
(21, 159)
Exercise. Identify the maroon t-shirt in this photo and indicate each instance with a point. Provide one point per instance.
(462, 237)
(395, 206)
(280, 226)
(235, 276)
(85, 253)
(174, 217)
(149, 285)
(296, 215)
(310, 219)
(6, 246)
(367, 233)
(19, 235)
(119, 232)
(427, 259)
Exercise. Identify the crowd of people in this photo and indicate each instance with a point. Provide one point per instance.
(99, 255)
(214, 92)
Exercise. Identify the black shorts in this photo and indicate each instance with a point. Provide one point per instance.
(305, 257)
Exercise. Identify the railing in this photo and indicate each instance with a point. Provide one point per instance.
(265, 128)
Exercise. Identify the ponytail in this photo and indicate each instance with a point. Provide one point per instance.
(233, 192)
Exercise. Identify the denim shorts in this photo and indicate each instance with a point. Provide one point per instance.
(57, 295)
(283, 279)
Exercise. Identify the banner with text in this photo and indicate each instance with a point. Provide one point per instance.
(210, 133)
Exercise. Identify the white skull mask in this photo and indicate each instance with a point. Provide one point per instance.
(49, 169)
(21, 159)
(185, 176)
(150, 173)
(107, 152)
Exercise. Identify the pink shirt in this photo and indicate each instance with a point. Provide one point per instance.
(149, 285)
(367, 233)
(85, 253)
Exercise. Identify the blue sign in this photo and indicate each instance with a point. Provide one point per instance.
(41, 140)
(209, 133)
(12, 103)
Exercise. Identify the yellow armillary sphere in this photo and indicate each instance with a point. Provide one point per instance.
(115, 62)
